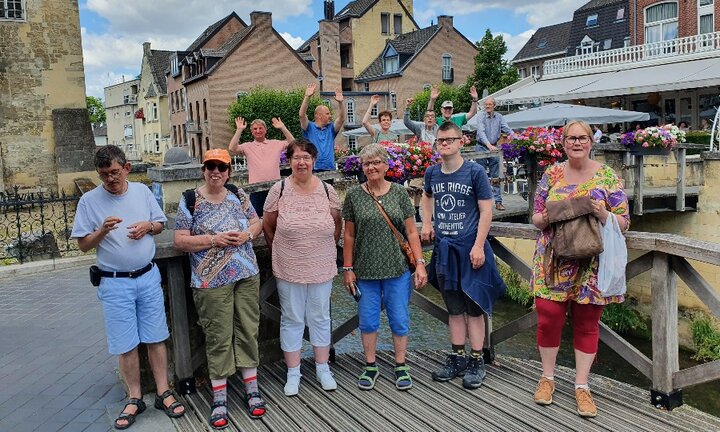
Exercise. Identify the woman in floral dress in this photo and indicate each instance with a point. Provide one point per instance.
(575, 281)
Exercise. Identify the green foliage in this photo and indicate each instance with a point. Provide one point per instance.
(95, 108)
(492, 72)
(706, 337)
(622, 318)
(697, 137)
(265, 103)
(518, 289)
(447, 92)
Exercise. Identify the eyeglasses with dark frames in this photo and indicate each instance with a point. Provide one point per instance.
(211, 166)
(447, 141)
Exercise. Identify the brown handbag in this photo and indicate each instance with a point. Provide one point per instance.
(404, 244)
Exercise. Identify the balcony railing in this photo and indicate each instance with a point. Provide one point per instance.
(193, 127)
(698, 46)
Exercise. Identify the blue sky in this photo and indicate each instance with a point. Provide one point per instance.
(113, 32)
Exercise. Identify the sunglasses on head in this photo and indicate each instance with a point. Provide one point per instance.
(210, 166)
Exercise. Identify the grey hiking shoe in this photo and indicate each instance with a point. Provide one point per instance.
(475, 373)
(455, 366)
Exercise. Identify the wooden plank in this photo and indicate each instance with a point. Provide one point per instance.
(513, 230)
(694, 280)
(697, 374)
(182, 357)
(624, 349)
(639, 265)
(429, 307)
(694, 249)
(508, 257)
(664, 323)
(680, 179)
(639, 185)
(525, 322)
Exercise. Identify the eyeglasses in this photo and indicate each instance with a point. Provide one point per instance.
(114, 174)
(372, 163)
(210, 166)
(302, 158)
(582, 139)
(448, 141)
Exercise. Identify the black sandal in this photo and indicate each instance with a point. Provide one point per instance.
(214, 418)
(256, 406)
(169, 410)
(128, 417)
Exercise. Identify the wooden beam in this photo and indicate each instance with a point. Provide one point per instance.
(624, 349)
(664, 323)
(513, 230)
(639, 184)
(694, 280)
(429, 306)
(270, 311)
(512, 328)
(345, 328)
(639, 265)
(182, 357)
(697, 374)
(680, 195)
(508, 257)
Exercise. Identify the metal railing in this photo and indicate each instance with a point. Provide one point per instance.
(36, 225)
(698, 45)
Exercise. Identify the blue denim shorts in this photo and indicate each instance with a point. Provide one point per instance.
(134, 311)
(394, 294)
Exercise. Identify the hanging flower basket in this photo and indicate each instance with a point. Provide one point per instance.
(653, 140)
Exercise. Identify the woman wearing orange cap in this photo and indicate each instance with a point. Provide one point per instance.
(217, 227)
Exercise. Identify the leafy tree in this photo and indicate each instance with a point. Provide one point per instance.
(264, 103)
(95, 108)
(492, 72)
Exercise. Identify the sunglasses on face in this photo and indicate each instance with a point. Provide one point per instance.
(210, 166)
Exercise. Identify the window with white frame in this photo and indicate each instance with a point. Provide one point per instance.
(128, 131)
(391, 60)
(397, 24)
(661, 22)
(154, 111)
(706, 16)
(592, 20)
(446, 67)
(586, 45)
(534, 70)
(352, 142)
(620, 14)
(607, 44)
(626, 42)
(174, 69)
(350, 109)
(385, 23)
(393, 101)
(12, 10)
(427, 87)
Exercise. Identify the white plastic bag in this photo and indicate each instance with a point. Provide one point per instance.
(613, 259)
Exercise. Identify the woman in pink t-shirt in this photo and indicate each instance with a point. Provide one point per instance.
(302, 226)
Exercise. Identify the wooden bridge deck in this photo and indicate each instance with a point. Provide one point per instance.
(503, 403)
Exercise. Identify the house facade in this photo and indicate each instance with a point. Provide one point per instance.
(46, 140)
(121, 106)
(151, 120)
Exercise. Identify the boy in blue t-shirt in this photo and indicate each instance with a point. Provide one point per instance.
(463, 266)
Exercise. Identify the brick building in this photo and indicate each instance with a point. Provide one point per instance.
(45, 136)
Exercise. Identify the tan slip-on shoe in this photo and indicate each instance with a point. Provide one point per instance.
(585, 405)
(544, 391)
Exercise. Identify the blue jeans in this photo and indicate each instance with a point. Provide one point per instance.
(257, 199)
(493, 164)
(394, 294)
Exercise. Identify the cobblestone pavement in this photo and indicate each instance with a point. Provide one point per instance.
(55, 371)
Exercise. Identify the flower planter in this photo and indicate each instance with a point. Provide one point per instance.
(637, 149)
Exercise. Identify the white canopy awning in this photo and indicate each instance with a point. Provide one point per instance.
(664, 77)
(557, 114)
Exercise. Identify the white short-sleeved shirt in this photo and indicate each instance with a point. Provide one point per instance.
(117, 252)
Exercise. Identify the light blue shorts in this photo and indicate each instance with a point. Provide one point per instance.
(394, 294)
(134, 311)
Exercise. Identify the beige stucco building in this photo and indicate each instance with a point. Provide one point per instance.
(45, 133)
(152, 123)
(121, 104)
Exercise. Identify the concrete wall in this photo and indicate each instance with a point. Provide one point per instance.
(41, 69)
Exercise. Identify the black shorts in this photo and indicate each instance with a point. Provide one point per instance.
(458, 303)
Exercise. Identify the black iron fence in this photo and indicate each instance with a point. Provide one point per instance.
(36, 226)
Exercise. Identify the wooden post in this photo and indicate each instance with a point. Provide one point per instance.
(639, 182)
(664, 324)
(680, 195)
(182, 356)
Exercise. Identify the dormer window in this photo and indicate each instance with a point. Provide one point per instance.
(174, 68)
(542, 44)
(592, 20)
(620, 14)
(391, 60)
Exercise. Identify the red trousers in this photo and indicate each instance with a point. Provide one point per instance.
(585, 321)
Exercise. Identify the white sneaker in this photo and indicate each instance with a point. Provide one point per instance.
(293, 384)
(325, 377)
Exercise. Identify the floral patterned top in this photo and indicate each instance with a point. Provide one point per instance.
(576, 280)
(218, 266)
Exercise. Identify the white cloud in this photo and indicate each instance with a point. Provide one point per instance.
(294, 41)
(538, 13)
(423, 17)
(515, 43)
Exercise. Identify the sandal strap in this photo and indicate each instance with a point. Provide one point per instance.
(166, 394)
(218, 404)
(255, 395)
(139, 403)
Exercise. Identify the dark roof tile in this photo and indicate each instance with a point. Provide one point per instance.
(205, 35)
(594, 4)
(159, 63)
(546, 41)
(355, 9)
(306, 45)
(408, 44)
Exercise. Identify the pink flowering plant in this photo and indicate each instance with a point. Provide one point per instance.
(542, 143)
(667, 136)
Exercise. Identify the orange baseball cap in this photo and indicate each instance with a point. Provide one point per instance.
(219, 155)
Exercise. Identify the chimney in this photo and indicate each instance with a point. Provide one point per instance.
(329, 9)
(146, 49)
(329, 54)
(445, 21)
(260, 19)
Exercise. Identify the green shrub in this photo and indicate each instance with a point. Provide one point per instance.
(264, 103)
(518, 289)
(697, 137)
(706, 337)
(623, 318)
(447, 92)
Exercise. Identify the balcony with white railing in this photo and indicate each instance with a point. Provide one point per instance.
(670, 51)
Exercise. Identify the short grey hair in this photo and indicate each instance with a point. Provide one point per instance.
(259, 121)
(373, 151)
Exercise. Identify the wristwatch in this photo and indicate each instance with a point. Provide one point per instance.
(250, 236)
